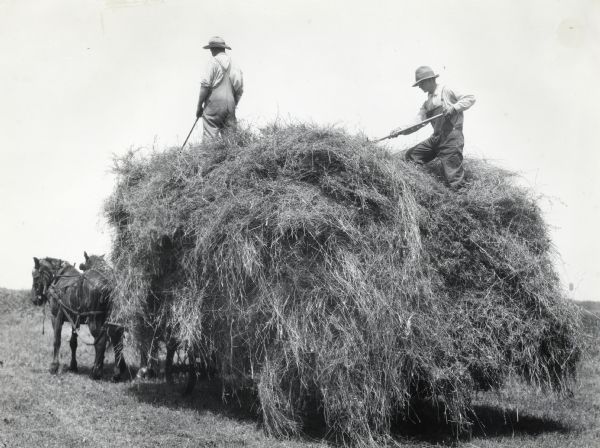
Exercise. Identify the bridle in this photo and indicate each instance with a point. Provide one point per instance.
(48, 276)
(45, 277)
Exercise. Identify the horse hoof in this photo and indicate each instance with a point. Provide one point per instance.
(96, 374)
(146, 373)
(73, 368)
(53, 368)
(116, 378)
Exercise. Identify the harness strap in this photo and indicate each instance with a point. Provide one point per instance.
(44, 319)
(80, 314)
(67, 310)
(74, 325)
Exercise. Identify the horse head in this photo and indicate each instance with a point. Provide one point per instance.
(43, 274)
(93, 262)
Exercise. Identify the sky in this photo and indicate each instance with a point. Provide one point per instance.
(82, 81)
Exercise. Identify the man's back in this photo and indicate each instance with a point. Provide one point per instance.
(218, 67)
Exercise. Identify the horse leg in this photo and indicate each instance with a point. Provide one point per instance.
(148, 361)
(100, 348)
(191, 382)
(145, 370)
(153, 364)
(141, 373)
(57, 323)
(146, 343)
(73, 344)
(171, 347)
(115, 335)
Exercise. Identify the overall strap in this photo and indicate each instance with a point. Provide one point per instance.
(226, 74)
(449, 123)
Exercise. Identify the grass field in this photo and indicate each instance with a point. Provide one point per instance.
(70, 410)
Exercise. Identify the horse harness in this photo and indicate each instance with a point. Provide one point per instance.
(68, 311)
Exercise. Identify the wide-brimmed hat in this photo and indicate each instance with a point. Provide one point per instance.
(216, 42)
(423, 73)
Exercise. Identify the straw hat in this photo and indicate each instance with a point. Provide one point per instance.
(423, 73)
(216, 42)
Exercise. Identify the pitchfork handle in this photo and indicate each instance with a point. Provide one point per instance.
(186, 139)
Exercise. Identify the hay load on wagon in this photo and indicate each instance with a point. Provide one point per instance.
(332, 277)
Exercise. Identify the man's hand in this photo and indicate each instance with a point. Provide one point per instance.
(199, 111)
(399, 131)
(407, 129)
(448, 110)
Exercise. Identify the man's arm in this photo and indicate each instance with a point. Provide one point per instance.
(204, 91)
(459, 101)
(238, 85)
(238, 94)
(206, 83)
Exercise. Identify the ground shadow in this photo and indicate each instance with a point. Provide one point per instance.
(208, 395)
(429, 426)
(492, 421)
(86, 370)
(488, 422)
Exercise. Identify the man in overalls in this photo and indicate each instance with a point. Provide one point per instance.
(220, 91)
(447, 141)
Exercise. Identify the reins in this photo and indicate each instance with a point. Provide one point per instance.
(44, 318)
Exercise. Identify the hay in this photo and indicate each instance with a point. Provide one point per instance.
(333, 277)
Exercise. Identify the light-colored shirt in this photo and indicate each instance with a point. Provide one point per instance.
(215, 74)
(444, 96)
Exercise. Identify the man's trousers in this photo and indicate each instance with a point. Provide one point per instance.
(448, 149)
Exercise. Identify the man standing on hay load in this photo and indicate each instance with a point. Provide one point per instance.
(447, 141)
(221, 89)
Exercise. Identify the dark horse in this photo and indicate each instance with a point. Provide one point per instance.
(149, 335)
(79, 299)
